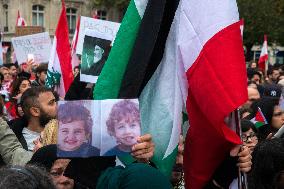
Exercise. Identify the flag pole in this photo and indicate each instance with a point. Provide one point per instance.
(242, 177)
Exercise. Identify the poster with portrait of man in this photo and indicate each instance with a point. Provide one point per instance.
(96, 48)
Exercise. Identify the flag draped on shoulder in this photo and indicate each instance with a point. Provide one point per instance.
(20, 20)
(59, 74)
(263, 55)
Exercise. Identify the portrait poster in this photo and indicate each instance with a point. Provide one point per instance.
(97, 127)
(96, 48)
(103, 27)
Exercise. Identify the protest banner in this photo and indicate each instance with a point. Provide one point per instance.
(96, 48)
(100, 26)
(90, 127)
(39, 45)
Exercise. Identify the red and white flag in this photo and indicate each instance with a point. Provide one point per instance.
(20, 20)
(210, 48)
(75, 60)
(263, 55)
(59, 74)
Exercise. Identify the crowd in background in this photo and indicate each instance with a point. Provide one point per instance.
(29, 128)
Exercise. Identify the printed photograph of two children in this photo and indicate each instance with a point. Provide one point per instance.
(97, 127)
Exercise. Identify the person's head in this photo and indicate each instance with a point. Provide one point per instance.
(19, 86)
(253, 65)
(272, 113)
(57, 171)
(39, 103)
(124, 123)
(273, 74)
(6, 74)
(267, 163)
(98, 53)
(27, 177)
(253, 95)
(249, 134)
(41, 71)
(76, 70)
(13, 69)
(75, 126)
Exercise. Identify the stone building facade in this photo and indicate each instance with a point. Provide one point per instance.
(46, 13)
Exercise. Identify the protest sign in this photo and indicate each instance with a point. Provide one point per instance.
(96, 48)
(97, 127)
(100, 26)
(37, 44)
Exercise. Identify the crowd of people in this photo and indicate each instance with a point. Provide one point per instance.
(29, 129)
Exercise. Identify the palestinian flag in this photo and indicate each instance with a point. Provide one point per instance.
(134, 57)
(59, 73)
(178, 61)
(259, 119)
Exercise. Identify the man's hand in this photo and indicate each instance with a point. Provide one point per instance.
(143, 151)
(244, 161)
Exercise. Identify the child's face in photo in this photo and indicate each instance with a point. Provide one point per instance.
(127, 131)
(71, 135)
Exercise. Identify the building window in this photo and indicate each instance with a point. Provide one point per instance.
(38, 15)
(102, 14)
(6, 26)
(71, 18)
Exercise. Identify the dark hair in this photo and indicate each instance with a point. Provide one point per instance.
(247, 125)
(9, 65)
(1, 76)
(41, 68)
(119, 111)
(252, 72)
(30, 99)
(267, 108)
(267, 162)
(16, 87)
(75, 111)
(1, 106)
(28, 177)
(271, 69)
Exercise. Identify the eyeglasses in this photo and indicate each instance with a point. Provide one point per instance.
(251, 136)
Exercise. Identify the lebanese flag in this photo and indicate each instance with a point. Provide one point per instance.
(75, 60)
(59, 74)
(211, 50)
(263, 55)
(20, 20)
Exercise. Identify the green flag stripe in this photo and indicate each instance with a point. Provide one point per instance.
(109, 81)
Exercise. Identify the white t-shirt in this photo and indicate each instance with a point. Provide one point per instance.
(30, 137)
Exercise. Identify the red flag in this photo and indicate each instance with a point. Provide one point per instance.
(211, 49)
(20, 20)
(60, 61)
(263, 55)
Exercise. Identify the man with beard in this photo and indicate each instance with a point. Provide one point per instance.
(39, 107)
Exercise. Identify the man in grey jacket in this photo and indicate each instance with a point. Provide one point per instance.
(11, 149)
